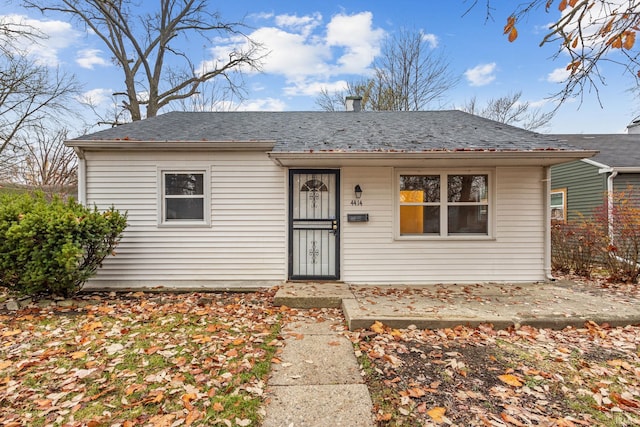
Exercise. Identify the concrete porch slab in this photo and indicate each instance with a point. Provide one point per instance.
(554, 305)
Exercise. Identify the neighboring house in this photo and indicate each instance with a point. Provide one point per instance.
(579, 187)
(246, 198)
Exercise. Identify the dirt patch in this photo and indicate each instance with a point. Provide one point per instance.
(483, 377)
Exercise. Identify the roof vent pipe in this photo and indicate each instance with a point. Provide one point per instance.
(634, 126)
(353, 103)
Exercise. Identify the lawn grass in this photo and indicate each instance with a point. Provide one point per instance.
(138, 359)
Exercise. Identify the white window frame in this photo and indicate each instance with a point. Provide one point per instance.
(206, 177)
(562, 191)
(444, 204)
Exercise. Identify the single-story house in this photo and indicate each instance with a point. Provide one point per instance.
(219, 199)
(579, 187)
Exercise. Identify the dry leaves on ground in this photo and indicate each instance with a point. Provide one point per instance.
(138, 359)
(518, 377)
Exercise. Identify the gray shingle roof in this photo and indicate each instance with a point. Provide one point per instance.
(616, 150)
(337, 131)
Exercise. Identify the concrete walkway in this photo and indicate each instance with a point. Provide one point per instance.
(318, 381)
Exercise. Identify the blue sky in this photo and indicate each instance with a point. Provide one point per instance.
(323, 44)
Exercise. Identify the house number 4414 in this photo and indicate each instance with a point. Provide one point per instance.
(356, 202)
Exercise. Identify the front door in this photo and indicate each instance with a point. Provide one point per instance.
(314, 224)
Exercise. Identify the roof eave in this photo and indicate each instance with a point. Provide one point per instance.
(126, 145)
(426, 158)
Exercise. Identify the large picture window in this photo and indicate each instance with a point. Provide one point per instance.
(444, 204)
(184, 197)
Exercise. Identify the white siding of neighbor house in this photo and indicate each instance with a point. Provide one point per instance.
(373, 254)
(244, 244)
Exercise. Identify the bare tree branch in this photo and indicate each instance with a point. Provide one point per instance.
(589, 32)
(407, 76)
(511, 110)
(145, 44)
(45, 160)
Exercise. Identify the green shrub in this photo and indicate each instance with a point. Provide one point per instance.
(53, 247)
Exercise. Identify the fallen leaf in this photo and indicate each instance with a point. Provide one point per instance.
(192, 416)
(377, 327)
(383, 417)
(511, 380)
(437, 413)
(114, 348)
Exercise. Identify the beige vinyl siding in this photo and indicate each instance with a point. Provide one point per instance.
(515, 251)
(246, 241)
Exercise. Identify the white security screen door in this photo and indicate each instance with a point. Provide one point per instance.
(313, 224)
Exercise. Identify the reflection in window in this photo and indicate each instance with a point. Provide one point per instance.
(419, 204)
(428, 209)
(468, 204)
(183, 197)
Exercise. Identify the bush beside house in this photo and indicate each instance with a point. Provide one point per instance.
(51, 247)
(609, 240)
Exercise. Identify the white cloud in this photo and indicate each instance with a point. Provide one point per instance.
(266, 104)
(56, 36)
(96, 97)
(481, 75)
(431, 40)
(313, 88)
(299, 50)
(558, 75)
(292, 55)
(302, 24)
(358, 37)
(87, 58)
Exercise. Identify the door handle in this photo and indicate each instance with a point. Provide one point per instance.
(334, 226)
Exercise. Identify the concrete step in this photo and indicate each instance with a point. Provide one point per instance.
(312, 294)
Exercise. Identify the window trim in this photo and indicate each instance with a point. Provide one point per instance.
(206, 177)
(562, 191)
(444, 204)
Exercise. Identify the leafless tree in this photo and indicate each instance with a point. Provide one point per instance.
(214, 96)
(44, 160)
(408, 75)
(147, 46)
(336, 101)
(29, 92)
(511, 110)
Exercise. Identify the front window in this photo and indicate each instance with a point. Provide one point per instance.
(444, 204)
(183, 197)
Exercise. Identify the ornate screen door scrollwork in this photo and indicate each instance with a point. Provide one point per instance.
(314, 224)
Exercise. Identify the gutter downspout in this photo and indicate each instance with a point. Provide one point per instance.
(82, 176)
(547, 221)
